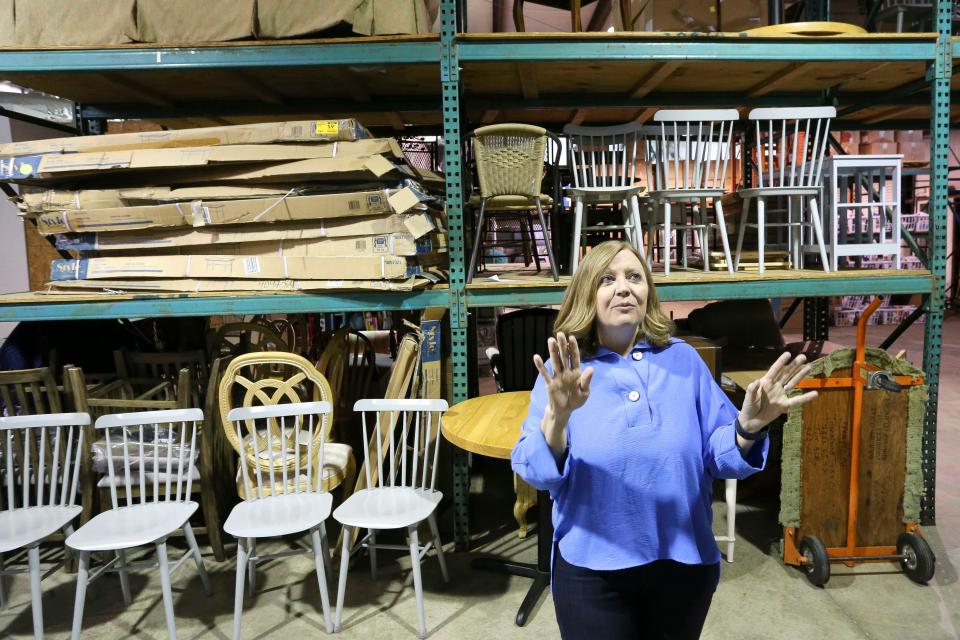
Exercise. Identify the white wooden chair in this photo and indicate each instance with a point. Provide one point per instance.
(730, 538)
(41, 462)
(686, 162)
(408, 433)
(790, 144)
(604, 165)
(161, 480)
(281, 451)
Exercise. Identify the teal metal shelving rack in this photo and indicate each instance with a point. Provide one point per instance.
(440, 65)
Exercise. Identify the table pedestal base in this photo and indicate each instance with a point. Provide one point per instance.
(541, 581)
(539, 572)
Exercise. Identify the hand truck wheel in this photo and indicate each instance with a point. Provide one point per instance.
(918, 560)
(817, 562)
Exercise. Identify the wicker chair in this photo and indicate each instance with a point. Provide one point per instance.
(242, 385)
(510, 168)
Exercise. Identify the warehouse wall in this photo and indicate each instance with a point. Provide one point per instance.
(13, 273)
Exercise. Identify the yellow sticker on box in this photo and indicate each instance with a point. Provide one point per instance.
(327, 127)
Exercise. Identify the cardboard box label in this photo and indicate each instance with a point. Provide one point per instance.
(327, 127)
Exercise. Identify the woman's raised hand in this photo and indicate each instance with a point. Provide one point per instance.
(768, 397)
(568, 387)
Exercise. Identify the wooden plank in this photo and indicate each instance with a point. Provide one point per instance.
(883, 463)
(825, 466)
(489, 116)
(137, 89)
(256, 88)
(528, 80)
(644, 116)
(653, 80)
(893, 113)
(825, 453)
(783, 76)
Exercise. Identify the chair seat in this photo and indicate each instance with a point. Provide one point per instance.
(603, 194)
(337, 462)
(132, 526)
(121, 480)
(686, 194)
(498, 203)
(387, 507)
(22, 527)
(278, 515)
(778, 191)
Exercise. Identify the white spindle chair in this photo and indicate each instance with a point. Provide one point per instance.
(281, 451)
(604, 165)
(41, 466)
(686, 162)
(406, 439)
(730, 537)
(158, 470)
(790, 144)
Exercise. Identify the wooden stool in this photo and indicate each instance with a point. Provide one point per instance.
(574, 6)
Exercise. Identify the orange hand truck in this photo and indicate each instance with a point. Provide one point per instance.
(912, 552)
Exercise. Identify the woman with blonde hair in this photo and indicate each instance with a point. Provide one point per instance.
(627, 430)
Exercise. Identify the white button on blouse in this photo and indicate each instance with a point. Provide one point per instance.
(634, 396)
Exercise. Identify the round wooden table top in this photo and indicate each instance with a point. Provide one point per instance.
(487, 425)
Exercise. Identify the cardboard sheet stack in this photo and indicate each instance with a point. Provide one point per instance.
(290, 206)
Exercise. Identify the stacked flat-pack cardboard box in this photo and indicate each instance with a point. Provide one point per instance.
(308, 205)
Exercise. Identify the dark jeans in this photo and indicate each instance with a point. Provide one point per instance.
(663, 600)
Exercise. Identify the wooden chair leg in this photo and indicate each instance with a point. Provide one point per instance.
(518, 16)
(526, 498)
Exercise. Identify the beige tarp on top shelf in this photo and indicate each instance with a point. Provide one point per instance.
(49, 23)
(46, 23)
(293, 18)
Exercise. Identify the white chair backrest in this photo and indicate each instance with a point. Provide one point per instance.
(281, 447)
(604, 156)
(691, 149)
(41, 456)
(412, 448)
(158, 443)
(790, 145)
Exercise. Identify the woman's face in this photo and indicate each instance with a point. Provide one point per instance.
(622, 293)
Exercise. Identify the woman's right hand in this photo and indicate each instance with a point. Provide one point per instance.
(568, 387)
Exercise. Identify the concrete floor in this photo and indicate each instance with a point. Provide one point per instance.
(758, 597)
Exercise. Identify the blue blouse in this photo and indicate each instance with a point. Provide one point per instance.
(636, 484)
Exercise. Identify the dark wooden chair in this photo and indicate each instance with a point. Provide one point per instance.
(574, 6)
(348, 362)
(520, 335)
(143, 371)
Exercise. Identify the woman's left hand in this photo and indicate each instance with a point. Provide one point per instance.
(768, 398)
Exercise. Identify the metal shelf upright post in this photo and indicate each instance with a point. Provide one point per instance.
(939, 71)
(451, 89)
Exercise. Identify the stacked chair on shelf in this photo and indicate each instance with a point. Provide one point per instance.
(510, 169)
(790, 144)
(686, 164)
(289, 206)
(604, 165)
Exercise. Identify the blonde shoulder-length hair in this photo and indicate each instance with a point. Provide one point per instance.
(578, 311)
